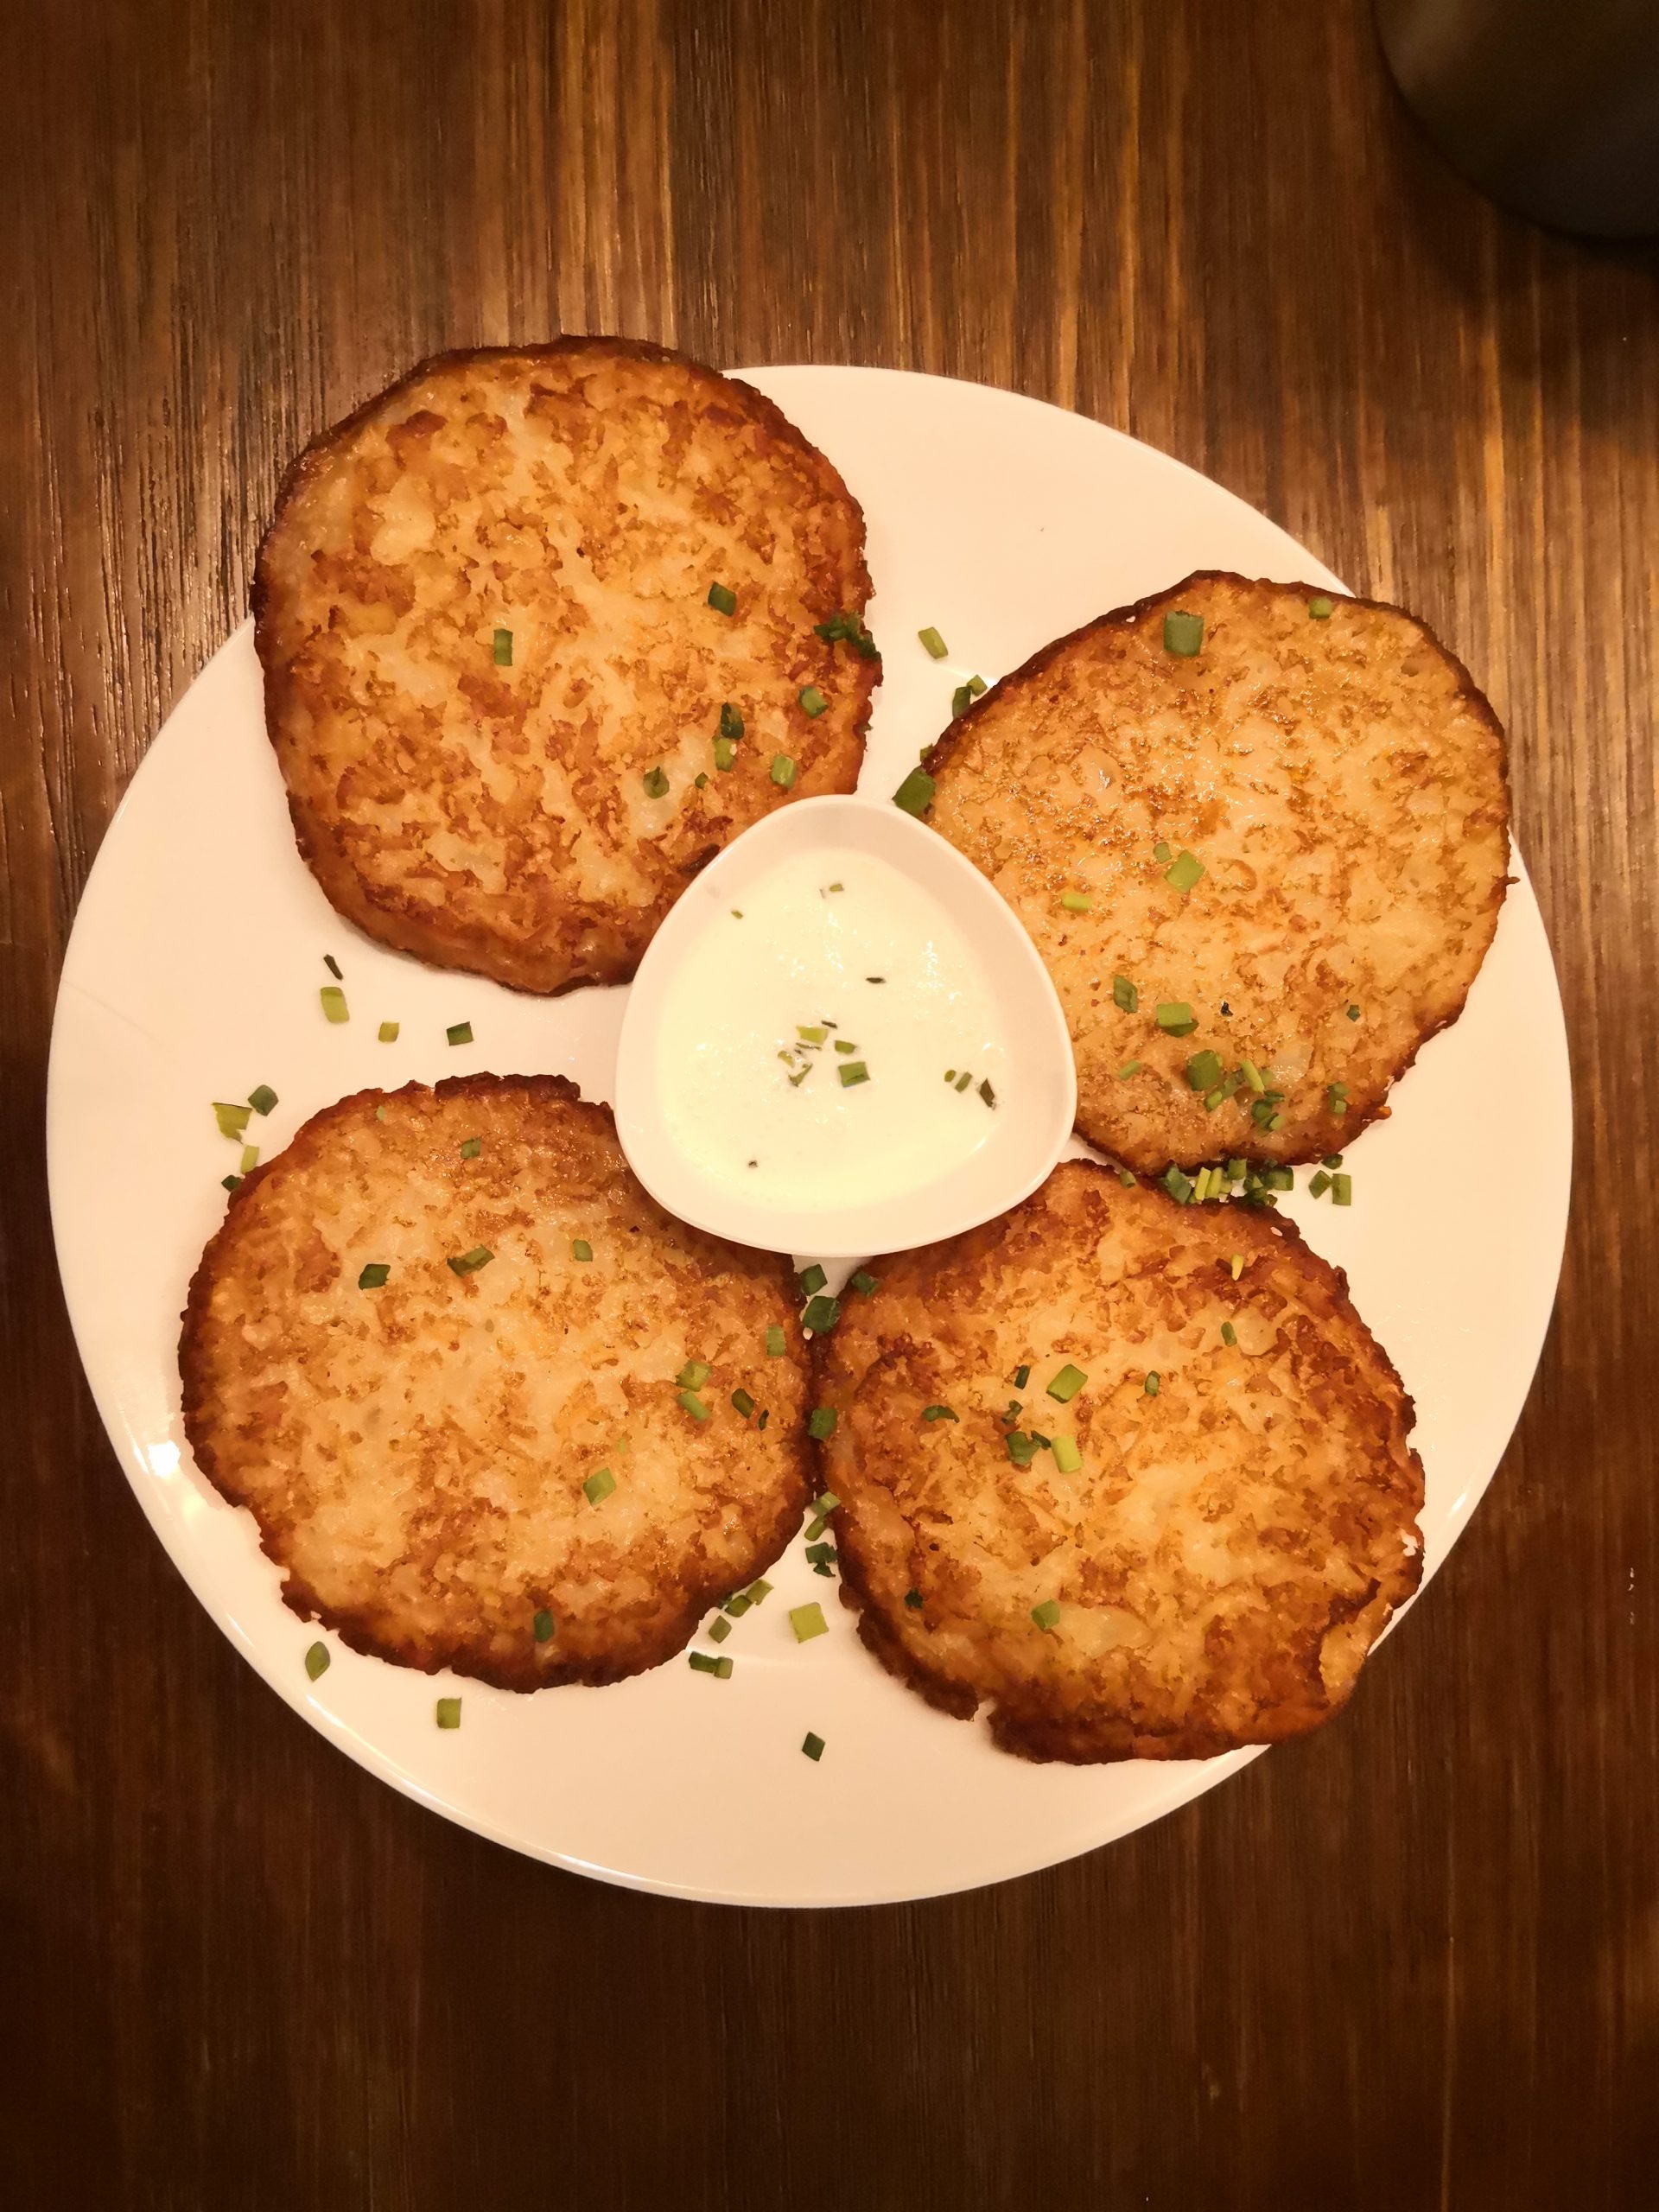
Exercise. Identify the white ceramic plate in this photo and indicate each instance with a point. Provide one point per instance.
(193, 975)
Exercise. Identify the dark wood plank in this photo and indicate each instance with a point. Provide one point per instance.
(1413, 1961)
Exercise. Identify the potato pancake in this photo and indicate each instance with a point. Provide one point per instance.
(465, 1373)
(1260, 836)
(539, 628)
(1136, 1474)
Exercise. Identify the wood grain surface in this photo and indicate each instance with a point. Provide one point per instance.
(1411, 1961)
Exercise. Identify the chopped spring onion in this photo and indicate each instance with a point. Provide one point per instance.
(742, 1403)
(1178, 1186)
(821, 1555)
(864, 1283)
(854, 1071)
(471, 1146)
(812, 1745)
(811, 1279)
(1067, 1458)
(913, 1599)
(938, 1412)
(1129, 1068)
(813, 702)
(1047, 1615)
(373, 1276)
(698, 783)
(1150, 1386)
(704, 1662)
(448, 1713)
(723, 599)
(1023, 1449)
(1341, 1190)
(470, 1263)
(1321, 608)
(694, 1374)
(808, 1621)
(915, 794)
(1067, 1384)
(776, 1345)
(821, 1314)
(231, 1120)
(810, 1034)
(1078, 902)
(580, 1249)
(1160, 851)
(1337, 1098)
(1318, 1186)
(986, 1093)
(1184, 872)
(1183, 634)
(843, 1045)
(692, 1404)
(731, 722)
(821, 1422)
(738, 1604)
(1204, 1071)
(250, 1158)
(825, 1506)
(1021, 1377)
(1176, 1019)
(782, 770)
(719, 1629)
(389, 1032)
(261, 1100)
(1278, 1179)
(333, 1003)
(317, 1661)
(333, 967)
(962, 1082)
(1126, 1179)
(1125, 996)
(656, 783)
(599, 1486)
(541, 1627)
(229, 1182)
(758, 1591)
(1252, 1075)
(1229, 1333)
(1353, 1014)
(725, 753)
(503, 648)
(459, 1033)
(1331, 1159)
(933, 643)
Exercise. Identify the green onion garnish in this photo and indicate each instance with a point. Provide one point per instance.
(232, 1120)
(743, 1402)
(389, 1032)
(913, 1599)
(692, 1404)
(1176, 1019)
(471, 1146)
(1321, 608)
(261, 1100)
(1047, 1615)
(915, 794)
(503, 648)
(1150, 1386)
(843, 1045)
(827, 1504)
(1129, 1068)
(813, 702)
(738, 1604)
(1341, 1190)
(1319, 1184)
(250, 1158)
(1184, 872)
(1278, 1179)
(1252, 1075)
(853, 1072)
(541, 1627)
(811, 1745)
(598, 1486)
(373, 1276)
(1178, 1186)
(333, 967)
(459, 1033)
(723, 599)
(821, 1422)
(986, 1093)
(776, 1345)
(333, 1003)
(1336, 1097)
(448, 1713)
(656, 783)
(810, 1034)
(821, 1315)
(229, 1182)
(782, 770)
(938, 1412)
(933, 643)
(1023, 1449)
(1229, 1333)
(1125, 996)
(1160, 851)
(1204, 1071)
(1126, 1179)
(1067, 1384)
(1183, 634)
(699, 780)
(702, 1662)
(731, 722)
(1331, 1159)
(1353, 1014)
(694, 1374)
(1077, 902)
(470, 1263)
(725, 753)
(719, 1629)
(811, 1279)
(962, 1082)
(316, 1661)
(1021, 1377)
(821, 1555)
(864, 1283)
(808, 1621)
(758, 1591)
(580, 1249)
(964, 695)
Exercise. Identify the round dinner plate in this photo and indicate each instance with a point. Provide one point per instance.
(193, 975)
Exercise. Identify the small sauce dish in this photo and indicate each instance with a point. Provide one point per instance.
(841, 1041)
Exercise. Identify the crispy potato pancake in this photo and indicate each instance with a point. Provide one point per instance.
(1341, 783)
(493, 677)
(1216, 1568)
(419, 1452)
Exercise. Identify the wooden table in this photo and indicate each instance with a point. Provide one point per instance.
(1411, 1961)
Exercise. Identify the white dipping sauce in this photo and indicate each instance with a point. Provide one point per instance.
(801, 958)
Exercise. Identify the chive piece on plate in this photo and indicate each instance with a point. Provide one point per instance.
(250, 1158)
(812, 1745)
(777, 1345)
(811, 1279)
(719, 1629)
(317, 1660)
(1353, 1014)
(962, 1082)
(471, 1146)
(853, 1072)
(1160, 851)
(470, 1263)
(938, 1412)
(1184, 872)
(933, 643)
(1229, 1333)
(782, 770)
(731, 722)
(232, 1120)
(725, 753)
(229, 1182)
(1047, 1615)
(1129, 1068)
(1331, 1159)
(694, 1374)
(459, 1033)
(1176, 1019)
(1067, 1458)
(812, 701)
(821, 1422)
(389, 1031)
(580, 1249)
(541, 1626)
(261, 1100)
(1067, 1384)
(1204, 1071)
(598, 1486)
(913, 1599)
(864, 1283)
(374, 1275)
(1341, 1190)
(333, 1003)
(821, 1314)
(1126, 1179)
(1179, 1186)
(692, 1404)
(1077, 902)
(1022, 1449)
(1321, 608)
(448, 1713)
(723, 599)
(502, 648)
(759, 1591)
(1153, 1380)
(656, 783)
(333, 967)
(742, 1403)
(1183, 634)
(1318, 1186)
(843, 1044)
(808, 1621)
(704, 1662)
(1125, 996)
(1252, 1075)
(915, 794)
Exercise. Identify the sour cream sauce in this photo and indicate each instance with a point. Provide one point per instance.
(806, 1038)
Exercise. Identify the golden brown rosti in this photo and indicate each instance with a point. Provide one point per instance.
(1234, 1534)
(494, 1430)
(506, 711)
(1340, 782)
